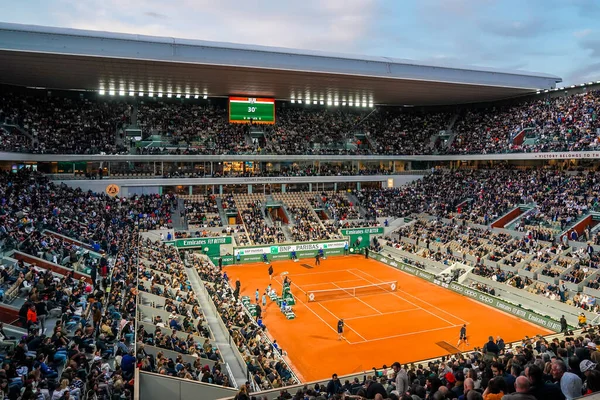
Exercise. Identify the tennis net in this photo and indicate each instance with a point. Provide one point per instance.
(356, 291)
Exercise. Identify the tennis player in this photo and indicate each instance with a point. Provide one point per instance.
(322, 254)
(463, 336)
(270, 272)
(341, 329)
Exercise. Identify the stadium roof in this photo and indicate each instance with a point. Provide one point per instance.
(58, 58)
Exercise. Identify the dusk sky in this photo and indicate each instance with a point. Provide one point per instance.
(560, 37)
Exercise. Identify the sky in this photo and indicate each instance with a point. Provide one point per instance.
(560, 37)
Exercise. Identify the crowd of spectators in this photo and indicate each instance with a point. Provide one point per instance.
(67, 125)
(532, 369)
(88, 351)
(60, 125)
(263, 357)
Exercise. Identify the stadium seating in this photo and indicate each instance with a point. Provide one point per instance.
(64, 125)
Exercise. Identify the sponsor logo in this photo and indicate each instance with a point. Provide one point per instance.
(486, 299)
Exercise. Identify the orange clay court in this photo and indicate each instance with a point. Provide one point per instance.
(417, 321)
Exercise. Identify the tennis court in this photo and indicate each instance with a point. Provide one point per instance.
(389, 315)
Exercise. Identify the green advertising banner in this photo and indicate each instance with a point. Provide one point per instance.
(361, 237)
(484, 298)
(199, 242)
(211, 246)
(226, 260)
(282, 251)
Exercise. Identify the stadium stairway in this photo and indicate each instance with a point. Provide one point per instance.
(287, 232)
(222, 214)
(23, 132)
(354, 200)
(179, 224)
(218, 329)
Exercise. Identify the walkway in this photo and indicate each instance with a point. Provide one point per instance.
(238, 368)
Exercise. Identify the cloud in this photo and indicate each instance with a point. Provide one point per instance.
(586, 73)
(516, 29)
(153, 14)
(333, 25)
(592, 45)
(582, 33)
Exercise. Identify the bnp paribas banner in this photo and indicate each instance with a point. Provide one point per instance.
(481, 297)
(283, 252)
(361, 237)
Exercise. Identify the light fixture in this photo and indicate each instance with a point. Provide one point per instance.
(329, 102)
(572, 86)
(344, 103)
(350, 103)
(364, 103)
(299, 101)
(583, 84)
(371, 104)
(187, 96)
(315, 101)
(546, 91)
(141, 94)
(293, 101)
(590, 83)
(169, 95)
(101, 92)
(197, 96)
(160, 94)
(151, 94)
(178, 95)
(336, 103)
(205, 97)
(111, 92)
(121, 93)
(131, 93)
(538, 92)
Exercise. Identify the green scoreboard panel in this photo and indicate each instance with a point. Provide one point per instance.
(243, 110)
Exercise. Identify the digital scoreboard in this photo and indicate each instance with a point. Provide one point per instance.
(258, 110)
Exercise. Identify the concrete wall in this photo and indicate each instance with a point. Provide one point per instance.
(159, 387)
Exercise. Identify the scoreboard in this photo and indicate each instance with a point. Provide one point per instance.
(258, 110)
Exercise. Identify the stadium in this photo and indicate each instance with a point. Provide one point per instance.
(191, 219)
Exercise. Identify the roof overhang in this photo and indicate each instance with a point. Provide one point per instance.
(68, 59)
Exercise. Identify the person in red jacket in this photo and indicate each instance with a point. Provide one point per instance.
(31, 317)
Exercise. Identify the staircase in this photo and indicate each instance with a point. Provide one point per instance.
(134, 116)
(222, 213)
(33, 140)
(179, 224)
(354, 200)
(452, 122)
(287, 232)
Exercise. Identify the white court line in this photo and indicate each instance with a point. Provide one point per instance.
(349, 327)
(408, 301)
(317, 284)
(408, 334)
(318, 316)
(358, 298)
(421, 300)
(364, 296)
(321, 272)
(385, 313)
